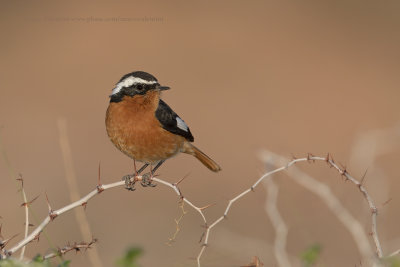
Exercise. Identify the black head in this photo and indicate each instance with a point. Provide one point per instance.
(135, 83)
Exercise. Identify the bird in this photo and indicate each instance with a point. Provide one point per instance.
(142, 126)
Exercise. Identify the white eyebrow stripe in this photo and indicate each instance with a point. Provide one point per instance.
(128, 82)
(181, 124)
(117, 89)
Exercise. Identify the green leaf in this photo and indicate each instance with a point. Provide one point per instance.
(38, 258)
(130, 258)
(36, 262)
(391, 261)
(310, 256)
(64, 264)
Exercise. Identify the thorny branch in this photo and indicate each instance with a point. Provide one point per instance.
(323, 191)
(54, 213)
(100, 188)
(25, 204)
(310, 158)
(177, 222)
(77, 247)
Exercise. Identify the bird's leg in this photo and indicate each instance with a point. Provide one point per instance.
(158, 165)
(129, 184)
(142, 168)
(148, 177)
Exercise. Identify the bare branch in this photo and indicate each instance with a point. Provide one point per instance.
(177, 222)
(72, 182)
(205, 237)
(34, 235)
(309, 158)
(77, 247)
(25, 204)
(271, 207)
(394, 253)
(54, 213)
(354, 227)
(281, 230)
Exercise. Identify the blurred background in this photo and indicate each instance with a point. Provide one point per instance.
(288, 76)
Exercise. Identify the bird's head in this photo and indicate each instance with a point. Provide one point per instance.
(135, 83)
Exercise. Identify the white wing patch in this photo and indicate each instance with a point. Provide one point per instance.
(181, 124)
(128, 82)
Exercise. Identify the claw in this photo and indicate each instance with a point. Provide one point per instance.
(129, 184)
(147, 180)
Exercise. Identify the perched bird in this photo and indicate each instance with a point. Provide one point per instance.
(144, 127)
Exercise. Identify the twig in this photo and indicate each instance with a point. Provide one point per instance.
(25, 204)
(177, 223)
(354, 227)
(271, 207)
(69, 247)
(54, 213)
(394, 253)
(100, 188)
(281, 230)
(70, 176)
(83, 201)
(309, 158)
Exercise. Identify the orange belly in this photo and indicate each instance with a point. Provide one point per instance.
(133, 128)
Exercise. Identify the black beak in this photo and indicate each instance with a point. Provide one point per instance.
(162, 88)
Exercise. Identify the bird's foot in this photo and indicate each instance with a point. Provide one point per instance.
(147, 180)
(129, 182)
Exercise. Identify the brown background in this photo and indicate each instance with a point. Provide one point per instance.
(289, 76)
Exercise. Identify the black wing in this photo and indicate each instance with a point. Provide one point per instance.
(171, 122)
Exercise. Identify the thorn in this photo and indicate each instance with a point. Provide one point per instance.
(21, 180)
(327, 157)
(84, 204)
(98, 176)
(48, 203)
(363, 177)
(29, 224)
(29, 202)
(207, 206)
(252, 189)
(309, 157)
(99, 188)
(332, 161)
(52, 215)
(4, 243)
(387, 201)
(342, 166)
(202, 236)
(184, 177)
(36, 238)
(293, 156)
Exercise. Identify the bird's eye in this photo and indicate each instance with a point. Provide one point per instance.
(139, 87)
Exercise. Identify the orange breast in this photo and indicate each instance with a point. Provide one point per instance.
(133, 128)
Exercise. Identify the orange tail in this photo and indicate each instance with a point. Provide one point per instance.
(206, 160)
